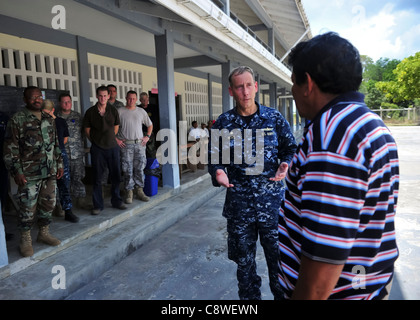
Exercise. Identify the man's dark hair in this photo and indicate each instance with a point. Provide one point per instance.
(111, 86)
(62, 95)
(131, 92)
(331, 61)
(28, 89)
(101, 88)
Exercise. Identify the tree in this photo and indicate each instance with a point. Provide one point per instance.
(406, 83)
(372, 73)
(366, 61)
(373, 96)
(381, 70)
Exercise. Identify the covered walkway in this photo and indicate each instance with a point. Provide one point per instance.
(87, 251)
(181, 52)
(195, 189)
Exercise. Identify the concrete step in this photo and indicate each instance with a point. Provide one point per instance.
(92, 246)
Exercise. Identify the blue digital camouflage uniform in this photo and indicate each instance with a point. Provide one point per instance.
(252, 205)
(63, 184)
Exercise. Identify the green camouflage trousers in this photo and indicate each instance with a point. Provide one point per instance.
(36, 199)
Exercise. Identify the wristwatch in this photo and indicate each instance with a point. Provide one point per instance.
(147, 135)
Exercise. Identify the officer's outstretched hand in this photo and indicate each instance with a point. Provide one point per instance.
(281, 172)
(222, 179)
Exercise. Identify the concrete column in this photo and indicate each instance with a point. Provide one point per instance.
(298, 120)
(210, 95)
(84, 86)
(273, 95)
(83, 74)
(257, 95)
(290, 107)
(226, 6)
(271, 42)
(227, 100)
(282, 109)
(164, 46)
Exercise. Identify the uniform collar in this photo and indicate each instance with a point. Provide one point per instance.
(30, 113)
(348, 98)
(258, 116)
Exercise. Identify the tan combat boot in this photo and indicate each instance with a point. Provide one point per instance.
(25, 245)
(128, 196)
(44, 236)
(140, 194)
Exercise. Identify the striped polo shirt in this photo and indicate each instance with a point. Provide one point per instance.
(341, 198)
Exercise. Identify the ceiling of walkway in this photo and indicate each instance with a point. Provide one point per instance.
(283, 16)
(102, 21)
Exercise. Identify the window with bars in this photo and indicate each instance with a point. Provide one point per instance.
(125, 80)
(216, 102)
(22, 69)
(196, 102)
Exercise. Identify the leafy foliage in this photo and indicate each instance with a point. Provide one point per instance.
(391, 81)
(406, 85)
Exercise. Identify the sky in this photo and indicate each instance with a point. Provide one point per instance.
(377, 28)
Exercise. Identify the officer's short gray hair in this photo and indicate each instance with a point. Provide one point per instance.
(240, 70)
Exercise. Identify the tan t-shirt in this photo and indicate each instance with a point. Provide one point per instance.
(131, 121)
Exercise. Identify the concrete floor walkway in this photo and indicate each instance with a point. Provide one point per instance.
(190, 259)
(406, 285)
(94, 244)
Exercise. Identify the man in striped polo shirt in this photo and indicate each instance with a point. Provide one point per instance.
(336, 226)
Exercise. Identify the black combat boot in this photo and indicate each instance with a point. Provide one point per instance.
(70, 216)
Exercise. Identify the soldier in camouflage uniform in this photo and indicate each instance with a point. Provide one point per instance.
(75, 150)
(33, 157)
(252, 178)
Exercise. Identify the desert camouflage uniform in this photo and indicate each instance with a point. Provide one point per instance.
(252, 205)
(75, 153)
(31, 148)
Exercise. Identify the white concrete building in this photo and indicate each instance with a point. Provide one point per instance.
(179, 51)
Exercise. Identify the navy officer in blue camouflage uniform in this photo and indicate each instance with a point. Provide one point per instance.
(266, 146)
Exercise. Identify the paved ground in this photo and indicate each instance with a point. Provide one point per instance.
(407, 283)
(189, 260)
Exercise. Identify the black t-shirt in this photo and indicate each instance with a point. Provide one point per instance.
(153, 113)
(102, 127)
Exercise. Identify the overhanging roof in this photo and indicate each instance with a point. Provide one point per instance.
(285, 17)
(203, 32)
